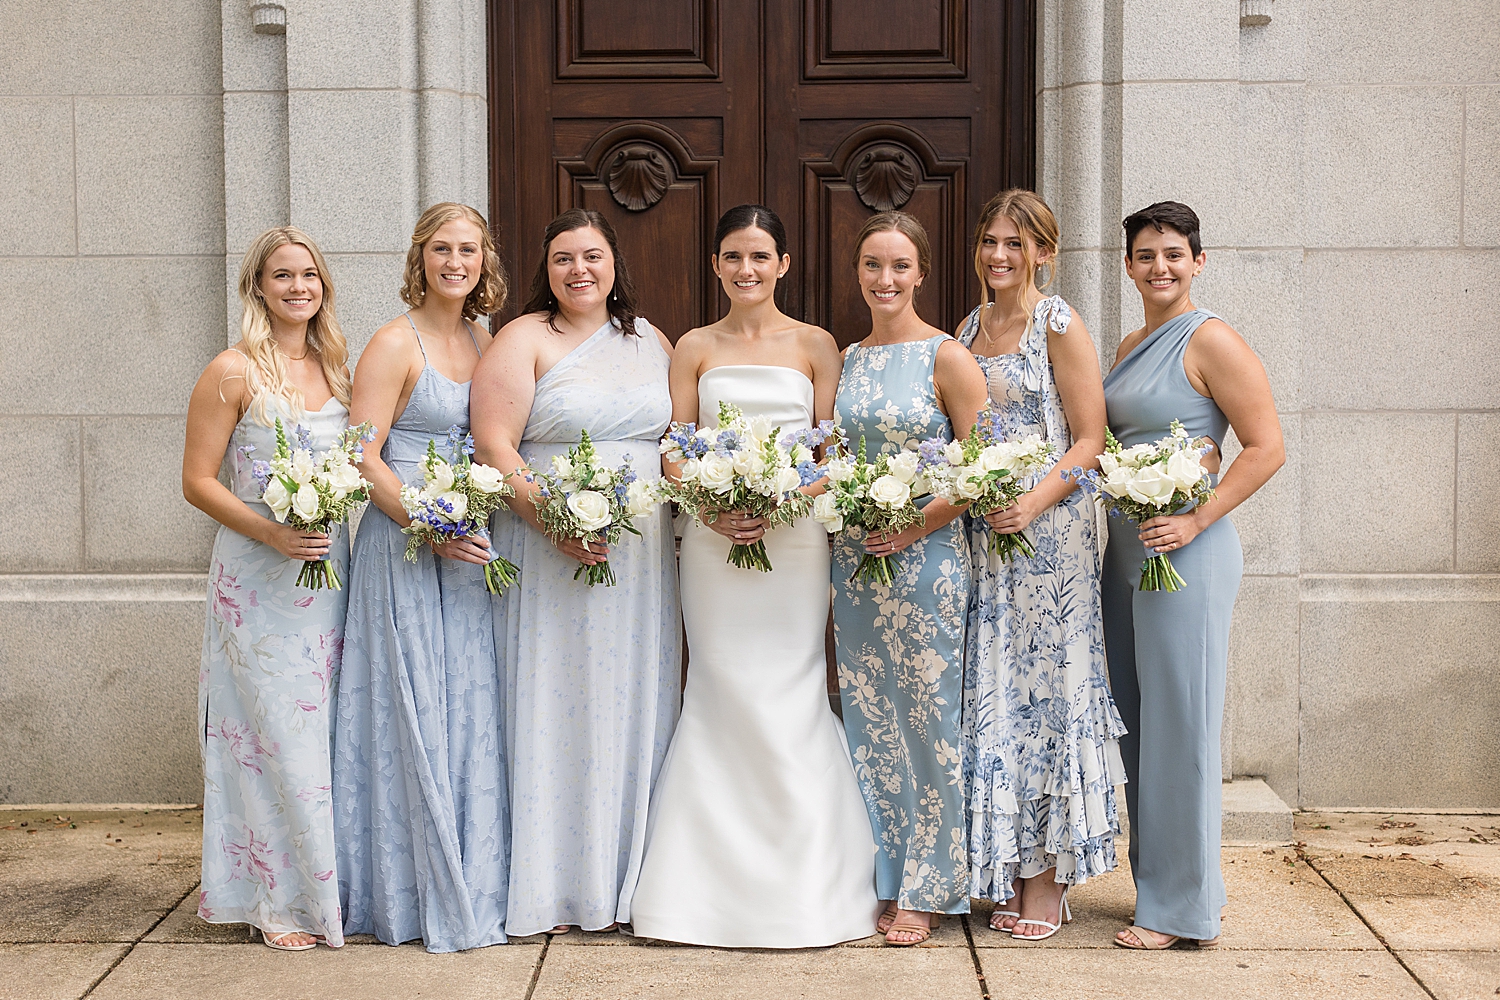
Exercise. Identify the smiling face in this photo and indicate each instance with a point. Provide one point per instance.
(748, 266)
(889, 274)
(453, 260)
(1007, 258)
(291, 285)
(1162, 266)
(580, 269)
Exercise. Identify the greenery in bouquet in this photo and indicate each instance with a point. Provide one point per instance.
(455, 500)
(580, 498)
(314, 493)
(877, 496)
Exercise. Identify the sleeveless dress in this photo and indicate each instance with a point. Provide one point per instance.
(270, 656)
(419, 767)
(900, 649)
(591, 674)
(758, 836)
(1168, 655)
(1041, 750)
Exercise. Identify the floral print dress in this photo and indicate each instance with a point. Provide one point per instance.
(900, 649)
(271, 652)
(1041, 750)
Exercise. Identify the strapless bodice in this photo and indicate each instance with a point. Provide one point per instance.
(783, 394)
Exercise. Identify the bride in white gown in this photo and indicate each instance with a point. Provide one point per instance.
(758, 836)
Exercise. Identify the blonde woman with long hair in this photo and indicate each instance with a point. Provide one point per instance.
(1041, 731)
(270, 648)
(419, 778)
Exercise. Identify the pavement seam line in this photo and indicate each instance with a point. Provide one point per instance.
(984, 986)
(536, 973)
(126, 953)
(1308, 859)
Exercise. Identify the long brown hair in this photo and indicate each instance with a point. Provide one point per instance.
(266, 375)
(1035, 222)
(489, 294)
(622, 298)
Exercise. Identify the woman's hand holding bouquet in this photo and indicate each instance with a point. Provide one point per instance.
(455, 501)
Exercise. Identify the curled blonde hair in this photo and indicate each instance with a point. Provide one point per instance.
(265, 374)
(489, 294)
(1035, 222)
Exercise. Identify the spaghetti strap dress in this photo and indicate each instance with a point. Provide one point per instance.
(270, 656)
(900, 649)
(419, 766)
(1167, 656)
(1041, 733)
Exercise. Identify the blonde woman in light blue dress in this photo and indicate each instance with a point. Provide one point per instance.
(270, 648)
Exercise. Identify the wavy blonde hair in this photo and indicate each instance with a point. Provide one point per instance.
(1035, 222)
(489, 294)
(265, 375)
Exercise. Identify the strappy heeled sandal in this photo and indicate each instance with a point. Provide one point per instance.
(886, 918)
(923, 933)
(274, 941)
(1146, 940)
(1000, 915)
(1064, 916)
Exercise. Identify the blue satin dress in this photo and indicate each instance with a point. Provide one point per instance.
(1168, 654)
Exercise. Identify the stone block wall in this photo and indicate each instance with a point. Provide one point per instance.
(1343, 159)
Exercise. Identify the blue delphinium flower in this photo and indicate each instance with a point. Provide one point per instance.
(304, 436)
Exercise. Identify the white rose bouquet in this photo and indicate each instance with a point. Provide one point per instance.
(582, 499)
(313, 494)
(455, 501)
(1149, 480)
(878, 496)
(743, 464)
(987, 472)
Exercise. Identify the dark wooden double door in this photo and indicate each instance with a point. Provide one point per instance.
(661, 114)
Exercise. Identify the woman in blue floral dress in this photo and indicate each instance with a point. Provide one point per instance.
(900, 648)
(1041, 733)
(270, 647)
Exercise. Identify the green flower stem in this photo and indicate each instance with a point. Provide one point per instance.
(500, 573)
(1007, 547)
(752, 556)
(1158, 573)
(600, 573)
(877, 569)
(319, 574)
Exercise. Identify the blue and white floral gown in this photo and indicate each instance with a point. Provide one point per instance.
(900, 649)
(1041, 752)
(270, 656)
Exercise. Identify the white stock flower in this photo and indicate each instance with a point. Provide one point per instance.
(889, 492)
(602, 479)
(826, 512)
(305, 503)
(343, 478)
(640, 498)
(302, 466)
(953, 453)
(904, 466)
(458, 501)
(439, 476)
(1151, 485)
(486, 478)
(277, 498)
(801, 453)
(839, 470)
(1185, 469)
(786, 480)
(749, 463)
(1108, 463)
(561, 467)
(1137, 455)
(590, 508)
(716, 472)
(761, 426)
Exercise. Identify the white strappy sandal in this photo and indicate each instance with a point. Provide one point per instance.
(1064, 916)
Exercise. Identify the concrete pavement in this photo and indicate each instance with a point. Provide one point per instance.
(100, 903)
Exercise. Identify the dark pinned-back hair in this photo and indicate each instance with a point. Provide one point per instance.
(751, 217)
(1162, 216)
(621, 302)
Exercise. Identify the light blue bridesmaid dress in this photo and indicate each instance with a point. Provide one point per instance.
(419, 766)
(591, 674)
(900, 649)
(1040, 730)
(1168, 654)
(270, 655)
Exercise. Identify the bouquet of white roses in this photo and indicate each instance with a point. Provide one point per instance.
(455, 501)
(582, 499)
(743, 465)
(1149, 480)
(313, 494)
(988, 473)
(877, 496)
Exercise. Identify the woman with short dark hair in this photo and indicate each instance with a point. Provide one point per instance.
(1168, 650)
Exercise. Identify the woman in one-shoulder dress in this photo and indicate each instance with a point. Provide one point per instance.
(758, 836)
(1168, 651)
(900, 648)
(591, 673)
(419, 774)
(1040, 729)
(270, 647)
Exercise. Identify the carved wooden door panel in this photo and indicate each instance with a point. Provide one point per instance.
(663, 113)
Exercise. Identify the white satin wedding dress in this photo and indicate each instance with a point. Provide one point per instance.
(758, 836)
